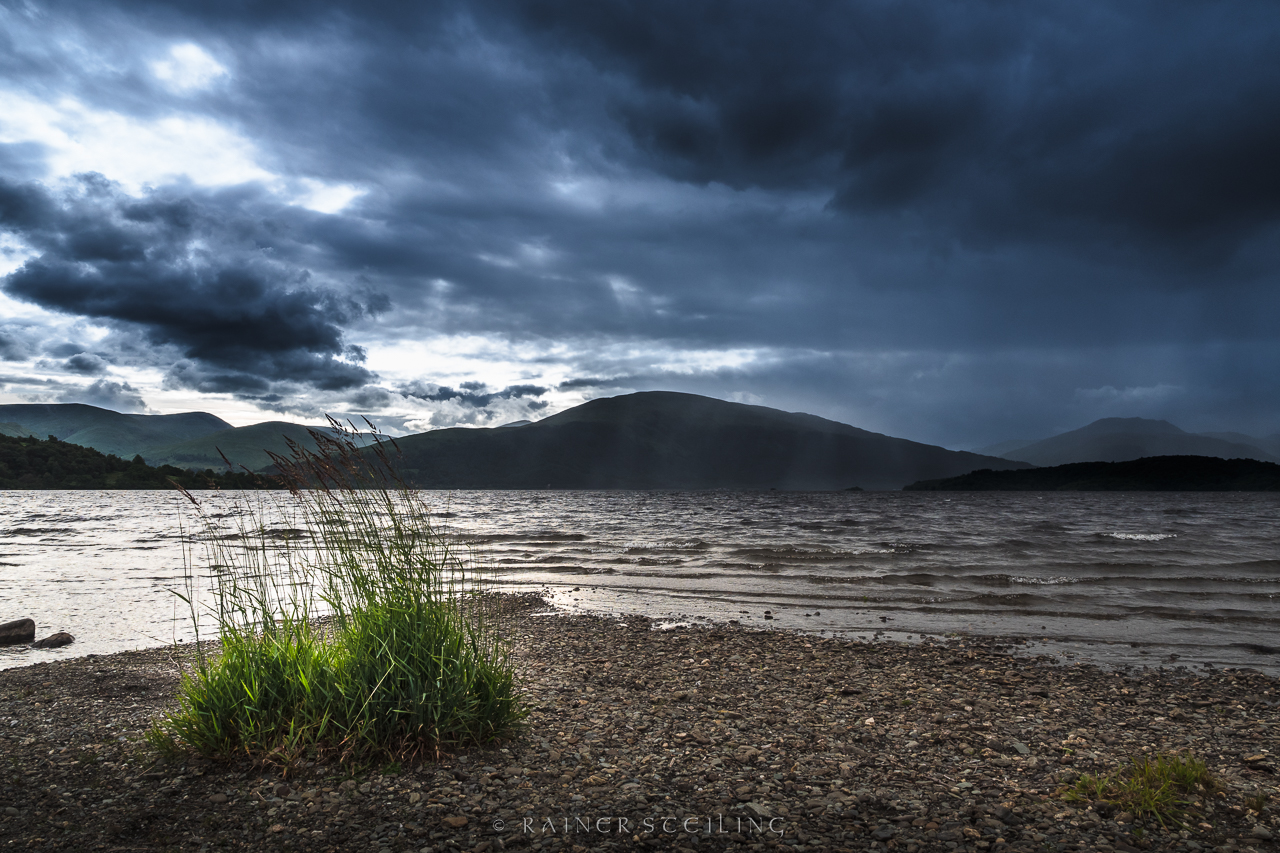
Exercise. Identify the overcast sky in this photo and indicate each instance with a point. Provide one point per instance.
(955, 222)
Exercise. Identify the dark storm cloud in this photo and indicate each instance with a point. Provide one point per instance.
(117, 396)
(472, 394)
(997, 173)
(209, 274)
(960, 204)
(86, 364)
(994, 119)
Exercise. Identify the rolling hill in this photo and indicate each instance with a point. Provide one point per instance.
(187, 440)
(244, 446)
(1124, 439)
(107, 431)
(668, 440)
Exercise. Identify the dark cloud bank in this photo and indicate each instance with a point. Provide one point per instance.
(199, 272)
(957, 222)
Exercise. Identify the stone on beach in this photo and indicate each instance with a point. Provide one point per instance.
(739, 740)
(54, 641)
(17, 631)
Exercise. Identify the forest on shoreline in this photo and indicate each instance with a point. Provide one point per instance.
(33, 463)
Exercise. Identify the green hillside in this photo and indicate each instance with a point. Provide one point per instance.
(15, 430)
(31, 463)
(108, 431)
(244, 446)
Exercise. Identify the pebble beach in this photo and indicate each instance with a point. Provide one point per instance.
(696, 737)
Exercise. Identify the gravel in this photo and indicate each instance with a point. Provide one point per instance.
(693, 738)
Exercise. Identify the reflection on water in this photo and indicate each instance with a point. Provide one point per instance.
(1195, 575)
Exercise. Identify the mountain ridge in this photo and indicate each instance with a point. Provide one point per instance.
(671, 440)
(650, 439)
(246, 446)
(107, 431)
(1126, 439)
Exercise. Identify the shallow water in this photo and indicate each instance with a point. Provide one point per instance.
(1128, 578)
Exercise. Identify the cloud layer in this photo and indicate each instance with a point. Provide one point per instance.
(956, 222)
(212, 276)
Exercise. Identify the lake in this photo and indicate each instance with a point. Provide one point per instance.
(1130, 579)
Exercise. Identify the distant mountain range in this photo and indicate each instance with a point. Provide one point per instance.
(649, 440)
(188, 440)
(668, 440)
(107, 431)
(1124, 439)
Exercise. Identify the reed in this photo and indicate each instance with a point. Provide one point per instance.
(347, 624)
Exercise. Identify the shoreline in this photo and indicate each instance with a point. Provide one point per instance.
(1121, 654)
(736, 737)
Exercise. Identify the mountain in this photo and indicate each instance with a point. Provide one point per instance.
(187, 440)
(1005, 448)
(1151, 473)
(1267, 444)
(668, 440)
(244, 446)
(108, 431)
(1122, 439)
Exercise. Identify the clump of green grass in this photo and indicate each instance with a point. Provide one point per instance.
(347, 624)
(1165, 788)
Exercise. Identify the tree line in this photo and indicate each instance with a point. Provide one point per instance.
(32, 463)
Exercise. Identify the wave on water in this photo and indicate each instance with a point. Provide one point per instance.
(38, 531)
(642, 546)
(533, 537)
(1153, 570)
(1053, 580)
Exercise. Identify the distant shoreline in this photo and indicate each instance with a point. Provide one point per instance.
(1149, 474)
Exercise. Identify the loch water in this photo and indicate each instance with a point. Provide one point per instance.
(1125, 579)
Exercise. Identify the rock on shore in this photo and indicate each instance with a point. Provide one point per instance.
(697, 738)
(54, 641)
(17, 631)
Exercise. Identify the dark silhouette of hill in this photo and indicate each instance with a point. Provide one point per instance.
(1269, 444)
(32, 463)
(1004, 448)
(108, 431)
(1150, 474)
(1122, 439)
(668, 440)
